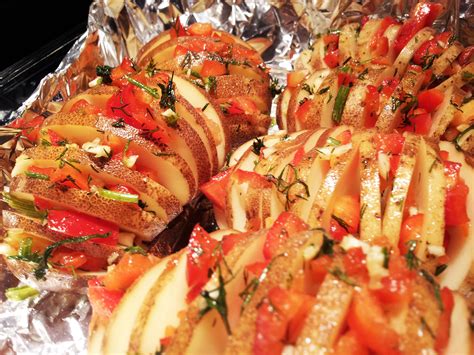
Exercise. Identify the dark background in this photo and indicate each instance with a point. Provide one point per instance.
(27, 25)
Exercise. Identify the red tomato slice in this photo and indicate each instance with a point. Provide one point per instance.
(77, 224)
(428, 49)
(389, 86)
(30, 126)
(319, 268)
(419, 123)
(332, 58)
(430, 99)
(201, 258)
(346, 217)
(371, 106)
(455, 205)
(368, 322)
(216, 188)
(349, 344)
(397, 287)
(378, 35)
(411, 230)
(122, 189)
(68, 259)
(43, 171)
(303, 110)
(256, 268)
(354, 263)
(54, 138)
(129, 268)
(331, 39)
(255, 180)
(466, 56)
(103, 301)
(213, 68)
(286, 225)
(117, 74)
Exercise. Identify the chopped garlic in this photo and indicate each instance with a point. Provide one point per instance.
(169, 113)
(130, 161)
(98, 149)
(95, 82)
(350, 242)
(111, 259)
(436, 250)
(413, 211)
(327, 153)
(384, 164)
(375, 260)
(310, 252)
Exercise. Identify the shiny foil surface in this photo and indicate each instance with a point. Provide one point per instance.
(57, 322)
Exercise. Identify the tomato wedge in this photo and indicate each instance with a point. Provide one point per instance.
(216, 188)
(430, 99)
(213, 68)
(129, 268)
(103, 301)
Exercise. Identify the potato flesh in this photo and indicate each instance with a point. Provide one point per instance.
(120, 327)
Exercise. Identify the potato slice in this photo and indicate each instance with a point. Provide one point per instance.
(97, 96)
(348, 42)
(327, 317)
(213, 118)
(391, 33)
(393, 214)
(125, 215)
(207, 334)
(445, 112)
(161, 307)
(156, 197)
(431, 198)
(370, 202)
(446, 59)
(390, 116)
(283, 267)
(317, 55)
(461, 249)
(282, 108)
(401, 62)
(96, 335)
(335, 183)
(171, 170)
(460, 335)
(366, 35)
(305, 91)
(459, 79)
(118, 334)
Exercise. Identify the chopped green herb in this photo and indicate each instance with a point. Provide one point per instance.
(257, 145)
(104, 72)
(342, 276)
(307, 88)
(411, 259)
(333, 141)
(386, 257)
(151, 68)
(135, 250)
(25, 252)
(459, 138)
(440, 268)
(152, 91)
(363, 75)
(20, 293)
(26, 207)
(168, 98)
(362, 209)
(210, 83)
(340, 102)
(285, 187)
(327, 248)
(341, 222)
(217, 302)
(205, 106)
(36, 175)
(427, 327)
(120, 123)
(436, 289)
(323, 90)
(275, 87)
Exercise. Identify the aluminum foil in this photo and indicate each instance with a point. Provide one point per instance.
(57, 322)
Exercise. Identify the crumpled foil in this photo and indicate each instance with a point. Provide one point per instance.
(57, 322)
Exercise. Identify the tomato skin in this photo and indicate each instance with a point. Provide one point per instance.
(303, 110)
(389, 86)
(256, 268)
(371, 106)
(369, 324)
(427, 49)
(85, 106)
(286, 225)
(214, 68)
(455, 205)
(129, 268)
(103, 301)
(298, 156)
(331, 39)
(201, 257)
(420, 122)
(355, 263)
(332, 58)
(392, 145)
(216, 188)
(411, 230)
(349, 344)
(430, 99)
(54, 138)
(68, 259)
(319, 268)
(346, 210)
(270, 330)
(442, 336)
(77, 224)
(254, 179)
(397, 286)
(200, 29)
(424, 13)
(30, 126)
(379, 43)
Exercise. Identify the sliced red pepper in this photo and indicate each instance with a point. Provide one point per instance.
(76, 224)
(68, 259)
(284, 227)
(388, 86)
(201, 259)
(216, 188)
(378, 36)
